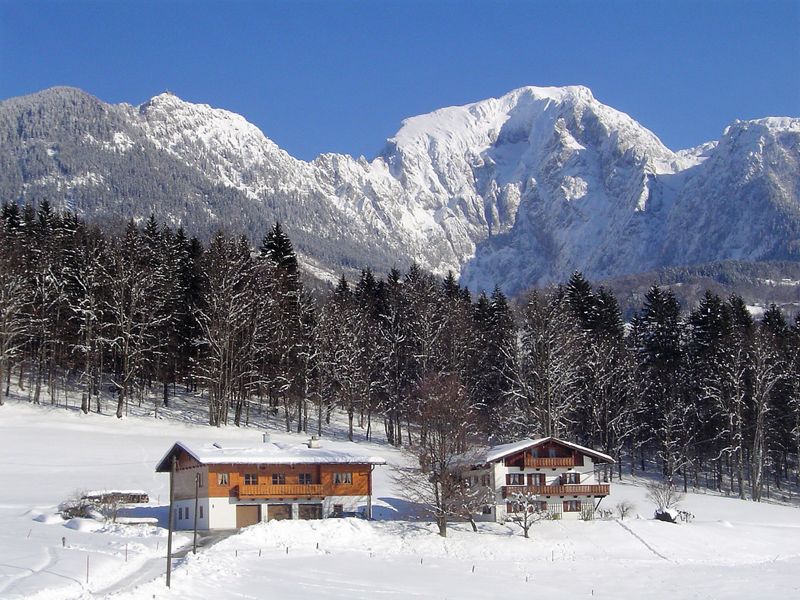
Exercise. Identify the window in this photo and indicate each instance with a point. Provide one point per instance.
(515, 479)
(251, 478)
(570, 478)
(338, 509)
(199, 480)
(279, 479)
(342, 478)
(486, 480)
(536, 479)
(201, 512)
(180, 513)
(572, 505)
(305, 478)
(487, 510)
(222, 479)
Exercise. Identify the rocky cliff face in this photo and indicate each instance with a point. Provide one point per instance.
(518, 190)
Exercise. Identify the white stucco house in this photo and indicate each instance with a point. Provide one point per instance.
(569, 480)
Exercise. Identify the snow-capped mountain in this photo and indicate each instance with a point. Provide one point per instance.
(517, 190)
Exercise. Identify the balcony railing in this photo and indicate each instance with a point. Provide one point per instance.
(280, 491)
(567, 461)
(556, 490)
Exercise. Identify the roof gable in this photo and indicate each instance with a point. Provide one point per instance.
(496, 453)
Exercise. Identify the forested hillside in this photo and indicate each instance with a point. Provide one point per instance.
(711, 395)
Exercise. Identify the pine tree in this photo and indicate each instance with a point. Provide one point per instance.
(668, 420)
(277, 247)
(394, 355)
(581, 300)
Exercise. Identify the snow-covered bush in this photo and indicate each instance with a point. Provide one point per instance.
(92, 505)
(77, 505)
(666, 497)
(669, 515)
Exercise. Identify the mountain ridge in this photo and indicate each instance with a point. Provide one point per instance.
(518, 190)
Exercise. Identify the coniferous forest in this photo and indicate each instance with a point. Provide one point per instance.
(705, 393)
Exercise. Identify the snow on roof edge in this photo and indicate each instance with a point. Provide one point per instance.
(494, 453)
(268, 453)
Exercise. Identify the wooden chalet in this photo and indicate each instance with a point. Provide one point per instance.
(237, 486)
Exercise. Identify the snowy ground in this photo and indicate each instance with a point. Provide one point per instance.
(733, 549)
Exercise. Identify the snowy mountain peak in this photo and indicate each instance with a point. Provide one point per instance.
(517, 190)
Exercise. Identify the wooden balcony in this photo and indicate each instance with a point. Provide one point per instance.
(279, 491)
(568, 461)
(557, 490)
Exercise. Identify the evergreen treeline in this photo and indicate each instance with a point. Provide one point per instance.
(712, 397)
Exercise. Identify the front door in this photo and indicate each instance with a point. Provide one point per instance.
(278, 512)
(247, 514)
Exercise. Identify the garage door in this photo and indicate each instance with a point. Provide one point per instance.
(247, 515)
(279, 512)
(310, 511)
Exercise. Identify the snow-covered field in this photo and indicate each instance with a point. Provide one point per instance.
(733, 549)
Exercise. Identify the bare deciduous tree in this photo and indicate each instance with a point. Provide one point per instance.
(664, 495)
(436, 483)
(526, 511)
(624, 508)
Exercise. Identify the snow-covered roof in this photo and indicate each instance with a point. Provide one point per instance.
(273, 453)
(109, 492)
(495, 453)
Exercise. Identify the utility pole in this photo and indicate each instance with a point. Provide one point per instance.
(171, 519)
(196, 496)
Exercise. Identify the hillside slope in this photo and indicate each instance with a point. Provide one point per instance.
(732, 549)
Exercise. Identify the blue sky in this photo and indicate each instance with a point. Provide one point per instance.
(339, 76)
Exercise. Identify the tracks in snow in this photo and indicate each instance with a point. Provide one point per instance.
(642, 540)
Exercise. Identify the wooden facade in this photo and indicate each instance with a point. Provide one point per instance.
(271, 481)
(557, 490)
(240, 493)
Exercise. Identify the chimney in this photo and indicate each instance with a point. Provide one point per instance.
(265, 437)
(313, 442)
